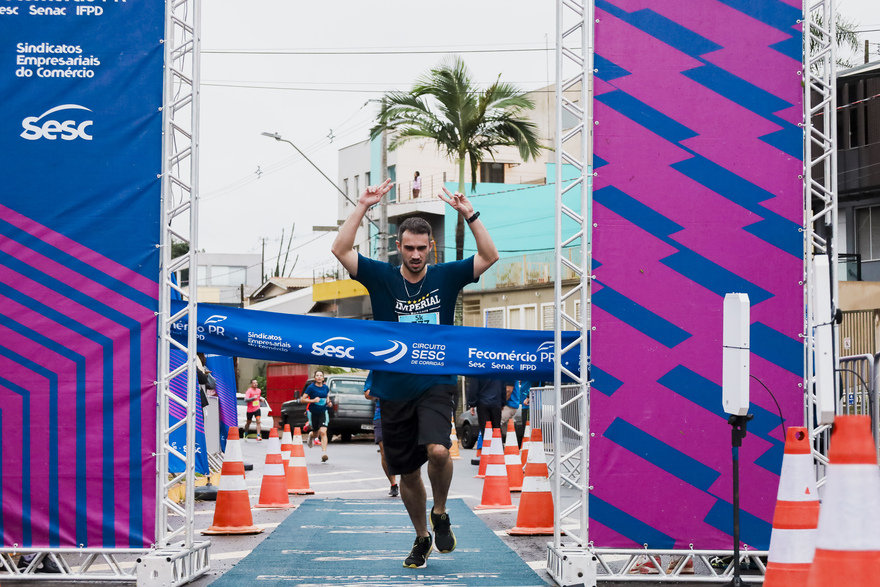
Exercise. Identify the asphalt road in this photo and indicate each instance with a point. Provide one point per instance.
(353, 471)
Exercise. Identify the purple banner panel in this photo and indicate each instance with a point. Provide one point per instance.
(81, 134)
(698, 155)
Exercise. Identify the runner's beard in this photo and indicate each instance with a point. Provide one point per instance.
(421, 270)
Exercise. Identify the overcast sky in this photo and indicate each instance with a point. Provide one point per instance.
(319, 64)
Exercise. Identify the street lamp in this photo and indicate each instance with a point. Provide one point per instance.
(278, 137)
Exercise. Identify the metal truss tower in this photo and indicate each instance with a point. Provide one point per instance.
(177, 558)
(820, 200)
(568, 560)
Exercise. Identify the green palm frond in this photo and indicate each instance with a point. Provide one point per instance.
(445, 106)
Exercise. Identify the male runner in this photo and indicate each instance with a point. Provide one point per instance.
(416, 409)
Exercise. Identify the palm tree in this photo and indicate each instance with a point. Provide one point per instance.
(445, 106)
(846, 37)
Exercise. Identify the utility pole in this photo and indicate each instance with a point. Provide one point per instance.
(263, 261)
(383, 203)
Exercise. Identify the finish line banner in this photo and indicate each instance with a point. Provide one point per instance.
(427, 349)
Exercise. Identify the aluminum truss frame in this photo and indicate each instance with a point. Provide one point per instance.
(177, 558)
(820, 197)
(568, 560)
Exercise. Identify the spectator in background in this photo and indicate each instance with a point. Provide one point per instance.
(417, 185)
(523, 389)
(252, 399)
(512, 402)
(485, 398)
(377, 435)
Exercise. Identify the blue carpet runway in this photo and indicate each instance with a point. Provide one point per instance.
(363, 543)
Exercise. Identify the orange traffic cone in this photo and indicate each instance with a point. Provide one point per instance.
(286, 447)
(496, 490)
(511, 459)
(232, 514)
(848, 540)
(487, 442)
(476, 460)
(297, 474)
(273, 489)
(793, 540)
(527, 441)
(454, 452)
(535, 514)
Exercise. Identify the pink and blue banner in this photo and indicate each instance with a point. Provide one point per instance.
(81, 131)
(698, 156)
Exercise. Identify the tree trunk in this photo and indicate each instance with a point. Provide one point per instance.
(459, 224)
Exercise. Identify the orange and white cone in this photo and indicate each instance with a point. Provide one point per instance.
(793, 539)
(535, 514)
(286, 447)
(273, 489)
(511, 459)
(454, 452)
(297, 474)
(848, 541)
(476, 459)
(487, 442)
(496, 490)
(232, 514)
(527, 441)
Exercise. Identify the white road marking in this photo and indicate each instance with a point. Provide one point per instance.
(338, 481)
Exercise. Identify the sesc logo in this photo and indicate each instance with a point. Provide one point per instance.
(339, 351)
(50, 128)
(398, 349)
(215, 319)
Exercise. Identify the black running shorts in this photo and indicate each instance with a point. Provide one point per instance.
(407, 427)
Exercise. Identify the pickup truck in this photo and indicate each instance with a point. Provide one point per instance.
(351, 413)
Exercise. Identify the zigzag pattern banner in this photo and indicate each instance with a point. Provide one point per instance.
(81, 136)
(698, 193)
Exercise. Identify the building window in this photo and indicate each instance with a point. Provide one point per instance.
(357, 186)
(392, 175)
(228, 275)
(345, 186)
(868, 233)
(492, 172)
(547, 316)
(494, 318)
(367, 178)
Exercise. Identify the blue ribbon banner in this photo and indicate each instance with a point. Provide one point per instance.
(384, 346)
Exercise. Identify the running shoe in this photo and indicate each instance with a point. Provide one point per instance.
(442, 532)
(395, 491)
(324, 458)
(418, 556)
(311, 441)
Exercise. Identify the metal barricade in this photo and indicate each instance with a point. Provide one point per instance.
(542, 416)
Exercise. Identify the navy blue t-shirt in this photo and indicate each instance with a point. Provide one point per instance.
(430, 301)
(320, 393)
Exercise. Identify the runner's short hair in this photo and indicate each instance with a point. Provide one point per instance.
(415, 225)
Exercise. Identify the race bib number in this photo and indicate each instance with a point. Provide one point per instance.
(429, 318)
(255, 403)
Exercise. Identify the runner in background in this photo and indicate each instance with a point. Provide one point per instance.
(377, 435)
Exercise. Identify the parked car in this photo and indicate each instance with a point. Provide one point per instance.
(351, 413)
(467, 428)
(266, 421)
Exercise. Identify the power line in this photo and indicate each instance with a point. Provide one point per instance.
(364, 51)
